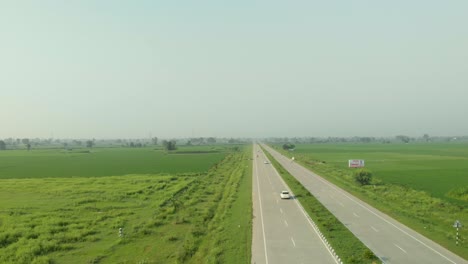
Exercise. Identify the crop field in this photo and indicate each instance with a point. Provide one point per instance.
(438, 169)
(99, 162)
(186, 216)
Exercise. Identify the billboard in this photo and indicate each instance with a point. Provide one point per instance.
(355, 163)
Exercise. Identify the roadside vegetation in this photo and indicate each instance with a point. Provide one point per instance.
(346, 245)
(185, 217)
(460, 193)
(422, 186)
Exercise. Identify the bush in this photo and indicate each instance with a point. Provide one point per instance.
(288, 146)
(42, 260)
(172, 238)
(460, 193)
(363, 176)
(369, 255)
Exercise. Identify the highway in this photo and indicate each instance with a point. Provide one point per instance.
(390, 240)
(282, 233)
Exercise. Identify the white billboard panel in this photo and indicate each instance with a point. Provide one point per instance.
(355, 163)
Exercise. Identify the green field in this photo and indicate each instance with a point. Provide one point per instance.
(434, 168)
(184, 217)
(106, 162)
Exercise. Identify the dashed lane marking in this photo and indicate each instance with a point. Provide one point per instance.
(294, 243)
(400, 248)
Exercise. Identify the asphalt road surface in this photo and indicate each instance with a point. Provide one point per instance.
(390, 240)
(282, 233)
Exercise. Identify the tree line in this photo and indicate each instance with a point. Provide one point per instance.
(69, 144)
(386, 140)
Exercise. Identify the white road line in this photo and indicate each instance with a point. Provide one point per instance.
(375, 229)
(400, 248)
(294, 243)
(355, 215)
(261, 216)
(372, 212)
(277, 201)
(281, 210)
(269, 180)
(286, 223)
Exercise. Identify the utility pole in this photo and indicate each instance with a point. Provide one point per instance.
(457, 225)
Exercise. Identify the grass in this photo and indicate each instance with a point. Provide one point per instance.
(166, 218)
(230, 231)
(100, 162)
(421, 186)
(77, 219)
(346, 245)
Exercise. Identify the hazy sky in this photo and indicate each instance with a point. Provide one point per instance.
(244, 68)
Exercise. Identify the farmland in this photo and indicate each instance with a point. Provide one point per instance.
(99, 162)
(421, 185)
(434, 168)
(173, 208)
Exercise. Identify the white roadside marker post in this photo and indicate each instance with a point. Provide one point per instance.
(457, 225)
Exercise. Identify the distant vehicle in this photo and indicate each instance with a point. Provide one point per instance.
(266, 162)
(285, 195)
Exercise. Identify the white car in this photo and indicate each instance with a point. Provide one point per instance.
(266, 162)
(285, 195)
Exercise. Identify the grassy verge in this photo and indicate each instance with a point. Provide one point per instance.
(428, 215)
(165, 218)
(229, 234)
(346, 245)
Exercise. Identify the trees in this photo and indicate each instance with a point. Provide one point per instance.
(26, 142)
(426, 137)
(155, 140)
(363, 176)
(89, 143)
(2, 145)
(135, 145)
(211, 140)
(169, 145)
(198, 141)
(288, 146)
(366, 139)
(403, 138)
